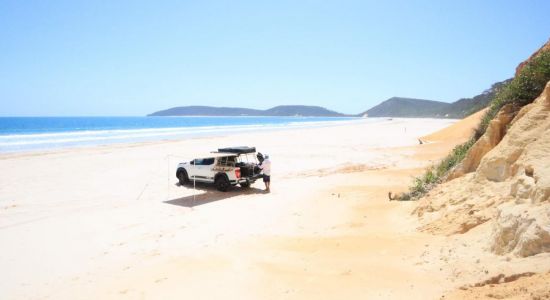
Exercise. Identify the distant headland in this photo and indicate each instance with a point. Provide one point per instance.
(278, 111)
(398, 107)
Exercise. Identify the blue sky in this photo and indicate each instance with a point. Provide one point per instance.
(135, 57)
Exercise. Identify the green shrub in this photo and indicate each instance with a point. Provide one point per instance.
(522, 90)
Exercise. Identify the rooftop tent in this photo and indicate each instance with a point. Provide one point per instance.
(238, 150)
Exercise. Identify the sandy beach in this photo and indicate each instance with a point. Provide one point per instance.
(378, 150)
(112, 222)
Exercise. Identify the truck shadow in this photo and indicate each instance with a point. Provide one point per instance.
(211, 194)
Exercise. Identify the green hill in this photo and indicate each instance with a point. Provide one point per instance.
(420, 108)
(467, 106)
(206, 111)
(302, 110)
(407, 108)
(280, 111)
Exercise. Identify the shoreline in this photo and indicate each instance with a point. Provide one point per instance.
(60, 139)
(227, 130)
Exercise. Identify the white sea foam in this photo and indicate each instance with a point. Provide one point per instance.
(35, 141)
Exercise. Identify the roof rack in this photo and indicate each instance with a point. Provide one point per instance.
(238, 150)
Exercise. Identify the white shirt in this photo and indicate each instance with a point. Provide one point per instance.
(266, 167)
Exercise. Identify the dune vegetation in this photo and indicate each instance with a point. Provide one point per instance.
(524, 88)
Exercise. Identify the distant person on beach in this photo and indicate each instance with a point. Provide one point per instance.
(265, 166)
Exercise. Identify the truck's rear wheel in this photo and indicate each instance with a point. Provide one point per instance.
(245, 185)
(222, 183)
(183, 177)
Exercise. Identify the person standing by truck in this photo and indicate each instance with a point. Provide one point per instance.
(265, 166)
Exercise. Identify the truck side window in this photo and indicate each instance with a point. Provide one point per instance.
(208, 161)
(226, 161)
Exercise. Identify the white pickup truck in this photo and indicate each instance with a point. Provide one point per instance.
(225, 168)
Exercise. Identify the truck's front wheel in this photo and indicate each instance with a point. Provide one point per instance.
(222, 183)
(183, 177)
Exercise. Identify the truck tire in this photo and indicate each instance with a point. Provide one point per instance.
(182, 176)
(245, 185)
(222, 183)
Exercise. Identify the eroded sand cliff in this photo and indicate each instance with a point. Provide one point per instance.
(505, 189)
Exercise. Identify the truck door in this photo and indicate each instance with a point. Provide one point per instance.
(204, 169)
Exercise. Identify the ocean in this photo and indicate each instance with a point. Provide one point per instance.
(40, 133)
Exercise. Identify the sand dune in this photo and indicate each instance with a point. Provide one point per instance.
(500, 208)
(460, 131)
